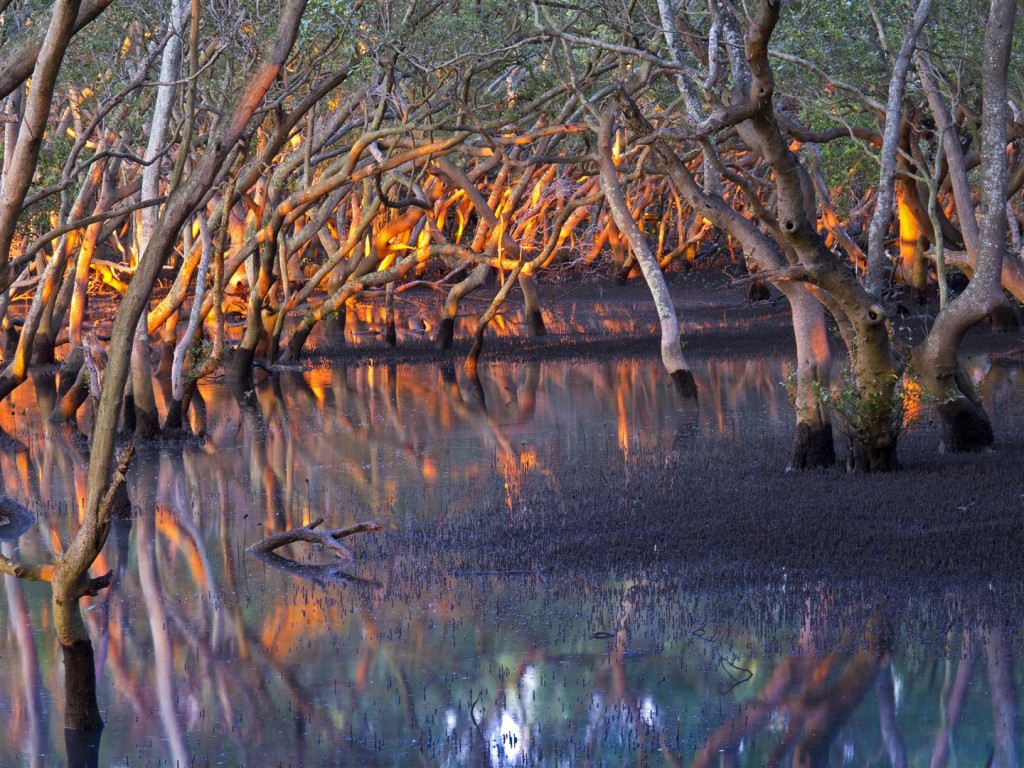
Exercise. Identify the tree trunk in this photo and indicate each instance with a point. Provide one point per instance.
(147, 420)
(193, 326)
(531, 305)
(83, 747)
(175, 420)
(446, 330)
(18, 172)
(59, 310)
(69, 369)
(43, 341)
(170, 67)
(485, 320)
(390, 334)
(876, 454)
(73, 398)
(890, 148)
(254, 327)
(964, 424)
(872, 420)
(168, 338)
(240, 371)
(671, 347)
(813, 446)
(334, 328)
(293, 350)
(81, 709)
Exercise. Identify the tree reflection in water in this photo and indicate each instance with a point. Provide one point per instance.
(206, 653)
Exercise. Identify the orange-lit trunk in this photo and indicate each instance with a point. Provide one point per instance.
(913, 266)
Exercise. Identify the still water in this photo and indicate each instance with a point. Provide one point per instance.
(207, 656)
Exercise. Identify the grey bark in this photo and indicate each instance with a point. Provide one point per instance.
(882, 216)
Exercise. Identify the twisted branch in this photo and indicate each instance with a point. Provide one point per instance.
(307, 533)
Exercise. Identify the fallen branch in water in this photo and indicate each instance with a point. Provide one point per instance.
(308, 533)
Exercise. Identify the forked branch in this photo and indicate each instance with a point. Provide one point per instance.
(331, 539)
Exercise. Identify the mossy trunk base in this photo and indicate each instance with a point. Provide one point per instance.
(813, 447)
(535, 322)
(147, 424)
(69, 370)
(240, 369)
(445, 334)
(175, 417)
(874, 456)
(686, 386)
(965, 427)
(42, 349)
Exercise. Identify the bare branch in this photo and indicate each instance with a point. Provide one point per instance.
(308, 533)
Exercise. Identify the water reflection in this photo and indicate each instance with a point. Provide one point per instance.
(208, 655)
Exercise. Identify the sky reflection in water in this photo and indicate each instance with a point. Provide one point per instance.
(209, 656)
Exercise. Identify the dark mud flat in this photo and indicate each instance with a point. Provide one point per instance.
(729, 511)
(934, 546)
(726, 507)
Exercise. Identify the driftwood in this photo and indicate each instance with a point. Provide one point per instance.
(329, 538)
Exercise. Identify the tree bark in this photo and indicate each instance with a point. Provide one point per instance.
(19, 172)
(72, 399)
(890, 146)
(671, 346)
(147, 420)
(936, 363)
(81, 708)
(194, 319)
(813, 446)
(17, 60)
(446, 329)
(531, 304)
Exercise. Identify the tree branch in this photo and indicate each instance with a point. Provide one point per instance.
(307, 533)
(26, 572)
